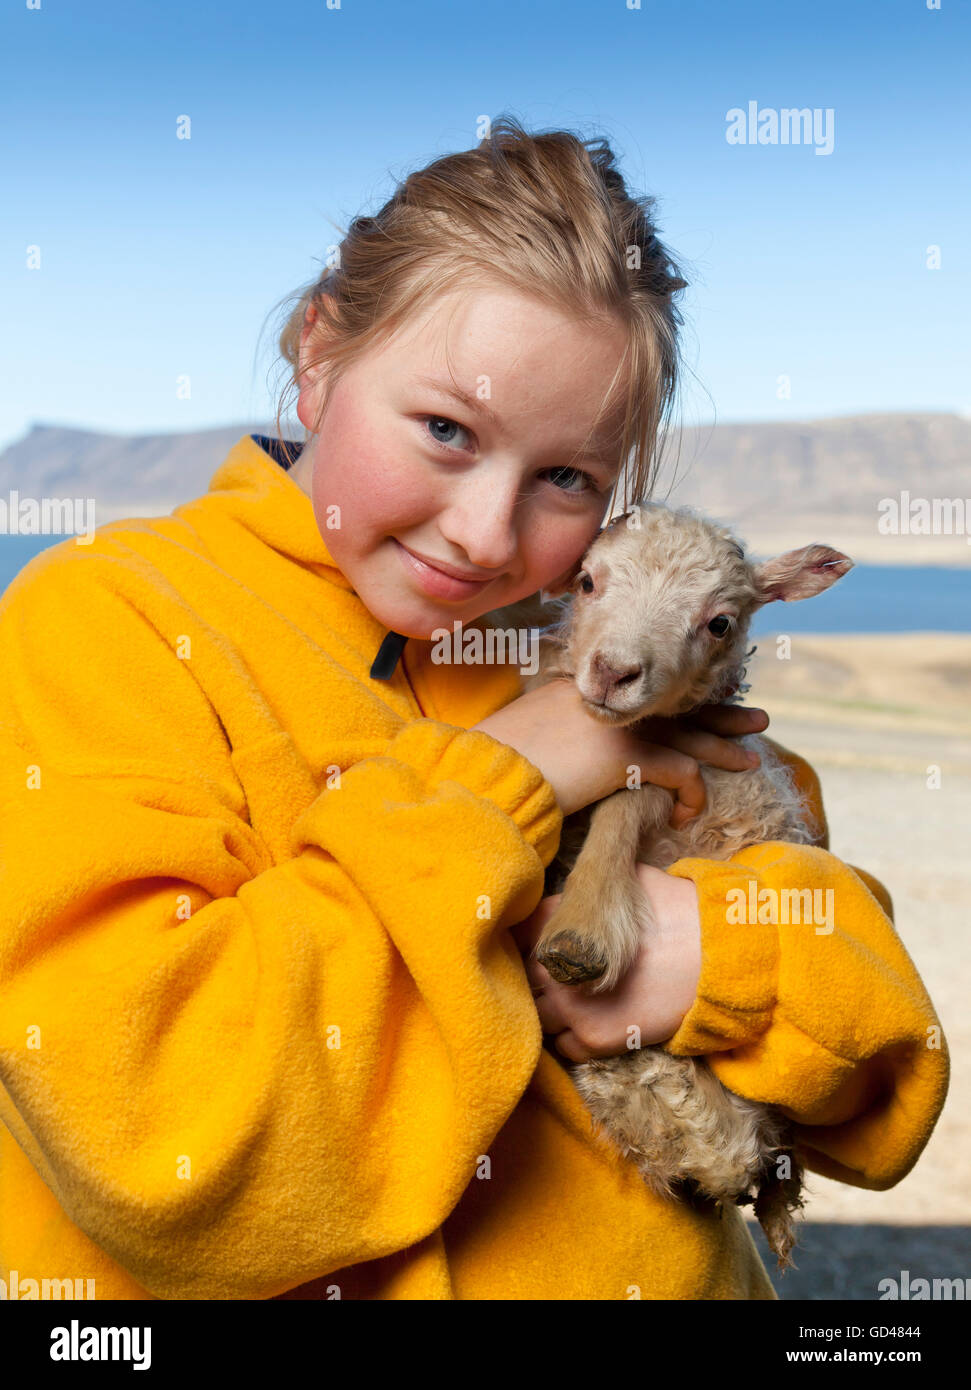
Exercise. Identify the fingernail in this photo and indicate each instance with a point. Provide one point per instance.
(754, 759)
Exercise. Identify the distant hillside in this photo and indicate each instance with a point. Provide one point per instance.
(779, 485)
(128, 475)
(782, 485)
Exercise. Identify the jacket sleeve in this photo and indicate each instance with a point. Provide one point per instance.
(237, 1075)
(826, 1018)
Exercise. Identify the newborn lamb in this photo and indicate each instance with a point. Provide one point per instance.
(658, 625)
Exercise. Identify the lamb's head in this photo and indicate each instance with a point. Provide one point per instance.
(662, 603)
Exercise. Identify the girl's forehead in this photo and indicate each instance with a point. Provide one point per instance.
(499, 353)
(478, 317)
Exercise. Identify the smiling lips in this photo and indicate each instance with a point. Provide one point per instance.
(437, 582)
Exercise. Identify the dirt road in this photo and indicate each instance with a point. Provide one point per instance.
(876, 716)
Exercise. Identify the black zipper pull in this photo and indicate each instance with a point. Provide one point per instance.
(384, 664)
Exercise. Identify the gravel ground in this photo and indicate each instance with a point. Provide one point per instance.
(872, 751)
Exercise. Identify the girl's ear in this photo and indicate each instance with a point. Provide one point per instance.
(312, 372)
(316, 330)
(309, 319)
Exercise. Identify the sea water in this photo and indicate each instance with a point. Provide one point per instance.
(870, 598)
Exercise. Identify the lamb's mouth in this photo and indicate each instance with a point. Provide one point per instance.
(607, 714)
(611, 714)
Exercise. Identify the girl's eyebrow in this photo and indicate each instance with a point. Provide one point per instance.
(478, 407)
(456, 393)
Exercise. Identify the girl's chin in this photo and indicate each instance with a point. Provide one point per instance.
(427, 631)
(427, 626)
(420, 616)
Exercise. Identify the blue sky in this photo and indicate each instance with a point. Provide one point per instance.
(161, 257)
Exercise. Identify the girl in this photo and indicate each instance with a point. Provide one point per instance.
(265, 1029)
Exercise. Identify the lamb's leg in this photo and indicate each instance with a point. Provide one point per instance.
(779, 1196)
(677, 1121)
(595, 931)
(691, 1137)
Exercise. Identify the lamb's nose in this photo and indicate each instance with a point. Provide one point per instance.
(613, 675)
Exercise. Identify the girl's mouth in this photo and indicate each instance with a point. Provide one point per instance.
(435, 582)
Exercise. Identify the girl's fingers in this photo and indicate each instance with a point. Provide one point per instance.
(678, 773)
(552, 1019)
(710, 748)
(730, 719)
(557, 1006)
(527, 932)
(579, 1034)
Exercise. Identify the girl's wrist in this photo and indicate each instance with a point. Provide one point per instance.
(673, 933)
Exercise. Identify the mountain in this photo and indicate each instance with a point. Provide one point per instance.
(127, 475)
(783, 485)
(779, 485)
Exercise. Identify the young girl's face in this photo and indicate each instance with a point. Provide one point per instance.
(490, 487)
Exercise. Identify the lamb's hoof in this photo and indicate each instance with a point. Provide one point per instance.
(570, 960)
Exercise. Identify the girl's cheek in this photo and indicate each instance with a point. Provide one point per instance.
(386, 482)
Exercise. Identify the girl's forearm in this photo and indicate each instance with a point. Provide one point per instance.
(673, 939)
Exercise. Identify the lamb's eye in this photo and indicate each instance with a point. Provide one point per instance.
(584, 582)
(720, 625)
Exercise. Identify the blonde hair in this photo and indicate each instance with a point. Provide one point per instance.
(547, 214)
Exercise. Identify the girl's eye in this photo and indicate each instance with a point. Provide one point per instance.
(436, 420)
(588, 479)
(438, 425)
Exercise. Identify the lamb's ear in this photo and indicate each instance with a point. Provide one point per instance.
(800, 573)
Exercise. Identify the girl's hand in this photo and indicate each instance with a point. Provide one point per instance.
(654, 995)
(584, 760)
(707, 732)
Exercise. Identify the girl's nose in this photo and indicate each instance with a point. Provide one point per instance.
(482, 530)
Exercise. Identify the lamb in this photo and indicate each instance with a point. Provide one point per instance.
(657, 625)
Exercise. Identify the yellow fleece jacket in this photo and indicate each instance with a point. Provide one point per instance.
(264, 1030)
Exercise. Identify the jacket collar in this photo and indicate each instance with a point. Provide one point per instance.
(253, 486)
(270, 504)
(258, 493)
